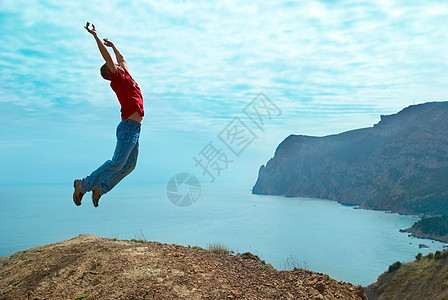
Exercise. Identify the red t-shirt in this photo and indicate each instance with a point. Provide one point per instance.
(128, 93)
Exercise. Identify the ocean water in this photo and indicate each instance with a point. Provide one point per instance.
(349, 244)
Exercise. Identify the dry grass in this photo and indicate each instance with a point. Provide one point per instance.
(218, 248)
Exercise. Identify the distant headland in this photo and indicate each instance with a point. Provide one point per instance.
(398, 165)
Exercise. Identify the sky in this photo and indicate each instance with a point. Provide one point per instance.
(327, 66)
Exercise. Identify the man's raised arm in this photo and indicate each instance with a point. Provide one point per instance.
(120, 58)
(103, 50)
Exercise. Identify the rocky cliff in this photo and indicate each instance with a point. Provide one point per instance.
(424, 278)
(399, 164)
(91, 267)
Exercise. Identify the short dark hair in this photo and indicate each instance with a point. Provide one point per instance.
(104, 70)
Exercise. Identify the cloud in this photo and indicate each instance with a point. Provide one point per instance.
(199, 62)
(205, 49)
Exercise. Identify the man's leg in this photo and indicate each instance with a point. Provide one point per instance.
(127, 137)
(107, 184)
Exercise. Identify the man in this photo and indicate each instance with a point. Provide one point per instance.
(130, 97)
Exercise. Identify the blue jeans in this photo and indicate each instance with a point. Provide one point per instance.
(122, 163)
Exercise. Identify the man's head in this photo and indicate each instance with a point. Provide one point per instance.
(105, 72)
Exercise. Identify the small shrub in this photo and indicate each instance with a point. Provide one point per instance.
(81, 297)
(418, 256)
(267, 267)
(218, 248)
(394, 267)
(197, 247)
(437, 254)
(138, 241)
(140, 238)
(430, 255)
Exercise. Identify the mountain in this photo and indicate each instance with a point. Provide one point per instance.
(424, 278)
(98, 268)
(399, 164)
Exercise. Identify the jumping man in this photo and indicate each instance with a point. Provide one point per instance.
(130, 97)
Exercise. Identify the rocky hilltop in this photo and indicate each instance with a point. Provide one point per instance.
(91, 267)
(424, 278)
(399, 164)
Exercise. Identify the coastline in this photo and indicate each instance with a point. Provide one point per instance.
(421, 235)
(434, 228)
(414, 232)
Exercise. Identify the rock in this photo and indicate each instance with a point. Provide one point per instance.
(360, 292)
(320, 286)
(248, 255)
(128, 270)
(398, 165)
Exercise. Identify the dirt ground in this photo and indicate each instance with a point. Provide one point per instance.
(90, 267)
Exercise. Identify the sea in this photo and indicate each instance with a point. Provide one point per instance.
(349, 244)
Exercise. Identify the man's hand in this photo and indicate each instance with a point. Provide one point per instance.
(108, 43)
(91, 31)
(103, 50)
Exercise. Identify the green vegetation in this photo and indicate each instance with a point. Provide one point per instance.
(197, 247)
(218, 248)
(436, 225)
(140, 238)
(139, 241)
(418, 256)
(437, 254)
(267, 267)
(81, 297)
(394, 267)
(424, 278)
